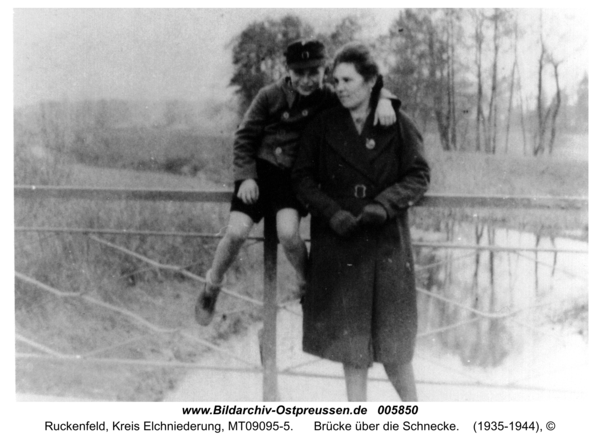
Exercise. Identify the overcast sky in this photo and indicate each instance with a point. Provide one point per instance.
(182, 53)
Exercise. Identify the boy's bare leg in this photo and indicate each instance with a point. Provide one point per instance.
(288, 232)
(356, 383)
(228, 248)
(238, 229)
(403, 379)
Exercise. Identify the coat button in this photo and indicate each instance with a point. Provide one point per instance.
(278, 151)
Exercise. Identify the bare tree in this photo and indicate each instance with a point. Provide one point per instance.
(522, 111)
(451, 18)
(516, 88)
(538, 145)
(556, 105)
(442, 39)
(426, 66)
(480, 126)
(513, 72)
(544, 113)
(500, 20)
(493, 104)
(408, 62)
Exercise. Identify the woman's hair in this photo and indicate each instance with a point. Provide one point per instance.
(360, 56)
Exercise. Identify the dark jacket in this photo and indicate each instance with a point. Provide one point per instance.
(272, 125)
(361, 301)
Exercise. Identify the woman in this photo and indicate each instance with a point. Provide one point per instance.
(358, 180)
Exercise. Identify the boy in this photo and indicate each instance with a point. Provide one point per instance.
(265, 147)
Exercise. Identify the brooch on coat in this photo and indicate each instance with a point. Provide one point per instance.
(370, 144)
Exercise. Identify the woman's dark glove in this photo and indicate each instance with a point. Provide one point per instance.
(373, 214)
(343, 223)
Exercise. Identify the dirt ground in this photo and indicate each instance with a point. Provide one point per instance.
(439, 380)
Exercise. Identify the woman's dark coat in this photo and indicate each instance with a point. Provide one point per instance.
(361, 301)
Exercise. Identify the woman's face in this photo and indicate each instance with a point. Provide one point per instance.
(350, 87)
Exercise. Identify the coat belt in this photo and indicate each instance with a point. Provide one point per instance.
(358, 191)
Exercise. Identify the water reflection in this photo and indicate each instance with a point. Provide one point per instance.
(474, 302)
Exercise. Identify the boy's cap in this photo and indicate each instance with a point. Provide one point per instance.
(305, 54)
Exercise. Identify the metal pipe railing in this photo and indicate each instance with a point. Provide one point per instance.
(223, 196)
(268, 339)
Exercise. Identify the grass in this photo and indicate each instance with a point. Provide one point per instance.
(74, 263)
(176, 151)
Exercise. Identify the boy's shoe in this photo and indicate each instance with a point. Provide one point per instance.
(205, 305)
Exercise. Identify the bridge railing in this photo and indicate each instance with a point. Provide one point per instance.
(269, 303)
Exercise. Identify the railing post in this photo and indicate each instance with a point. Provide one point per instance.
(269, 333)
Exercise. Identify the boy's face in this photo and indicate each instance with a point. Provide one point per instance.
(307, 80)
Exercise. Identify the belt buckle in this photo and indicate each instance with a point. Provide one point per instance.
(360, 191)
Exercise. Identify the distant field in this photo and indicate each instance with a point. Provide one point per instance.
(452, 173)
(193, 156)
(90, 176)
(471, 173)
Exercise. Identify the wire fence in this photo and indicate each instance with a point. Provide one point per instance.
(269, 304)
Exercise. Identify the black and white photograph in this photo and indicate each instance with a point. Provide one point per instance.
(301, 205)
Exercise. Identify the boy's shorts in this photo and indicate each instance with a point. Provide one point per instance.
(275, 192)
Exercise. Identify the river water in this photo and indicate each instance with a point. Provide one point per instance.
(523, 313)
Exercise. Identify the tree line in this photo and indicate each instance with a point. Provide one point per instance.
(458, 73)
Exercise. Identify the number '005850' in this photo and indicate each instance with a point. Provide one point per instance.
(398, 409)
